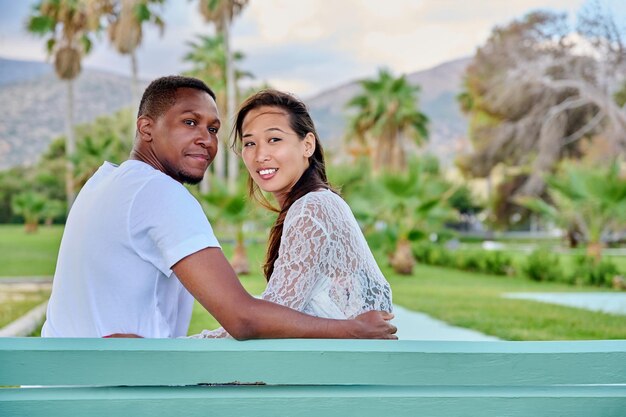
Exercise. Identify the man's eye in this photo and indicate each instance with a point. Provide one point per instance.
(190, 122)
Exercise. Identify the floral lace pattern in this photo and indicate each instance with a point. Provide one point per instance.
(324, 267)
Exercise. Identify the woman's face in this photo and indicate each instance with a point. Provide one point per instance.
(273, 153)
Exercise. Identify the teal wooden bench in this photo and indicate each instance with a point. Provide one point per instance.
(187, 378)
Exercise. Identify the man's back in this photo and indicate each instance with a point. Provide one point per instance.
(128, 226)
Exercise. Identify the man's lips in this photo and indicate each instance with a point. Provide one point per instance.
(202, 156)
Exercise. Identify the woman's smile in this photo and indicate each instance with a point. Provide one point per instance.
(267, 173)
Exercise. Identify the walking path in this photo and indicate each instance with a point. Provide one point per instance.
(419, 326)
(606, 302)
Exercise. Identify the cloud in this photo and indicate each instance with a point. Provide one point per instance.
(308, 45)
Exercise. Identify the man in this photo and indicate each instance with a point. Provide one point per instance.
(137, 246)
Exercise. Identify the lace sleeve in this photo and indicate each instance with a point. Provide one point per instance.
(303, 247)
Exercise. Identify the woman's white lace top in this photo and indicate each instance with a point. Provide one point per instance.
(324, 266)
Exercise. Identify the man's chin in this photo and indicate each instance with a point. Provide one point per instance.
(186, 178)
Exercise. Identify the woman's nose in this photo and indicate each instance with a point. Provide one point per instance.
(261, 154)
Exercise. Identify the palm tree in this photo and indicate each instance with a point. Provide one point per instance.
(30, 205)
(410, 205)
(387, 114)
(222, 13)
(126, 31)
(594, 200)
(52, 210)
(101, 140)
(68, 25)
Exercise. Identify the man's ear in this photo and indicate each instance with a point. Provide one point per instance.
(309, 144)
(144, 128)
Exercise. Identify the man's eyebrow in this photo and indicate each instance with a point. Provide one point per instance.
(199, 116)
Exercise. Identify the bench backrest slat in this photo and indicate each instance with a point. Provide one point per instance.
(152, 362)
(315, 401)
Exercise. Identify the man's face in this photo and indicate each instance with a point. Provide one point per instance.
(184, 138)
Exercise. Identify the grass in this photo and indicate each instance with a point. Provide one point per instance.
(460, 298)
(23, 254)
(16, 304)
(475, 301)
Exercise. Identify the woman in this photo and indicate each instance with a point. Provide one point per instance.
(317, 259)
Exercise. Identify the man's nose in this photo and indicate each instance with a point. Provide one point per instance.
(206, 139)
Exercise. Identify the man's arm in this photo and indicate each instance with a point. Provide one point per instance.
(208, 276)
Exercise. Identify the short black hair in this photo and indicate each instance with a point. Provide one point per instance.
(160, 95)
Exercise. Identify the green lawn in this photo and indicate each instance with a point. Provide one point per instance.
(24, 254)
(460, 298)
(15, 305)
(475, 301)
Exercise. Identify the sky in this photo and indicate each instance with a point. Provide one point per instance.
(306, 46)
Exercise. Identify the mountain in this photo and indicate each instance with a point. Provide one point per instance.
(439, 87)
(15, 71)
(32, 107)
(33, 102)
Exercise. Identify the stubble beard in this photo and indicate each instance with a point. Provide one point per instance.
(187, 178)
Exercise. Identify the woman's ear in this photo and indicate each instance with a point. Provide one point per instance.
(144, 128)
(309, 144)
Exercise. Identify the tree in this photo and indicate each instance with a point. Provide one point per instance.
(592, 200)
(410, 205)
(222, 13)
(30, 205)
(68, 25)
(538, 88)
(53, 209)
(387, 113)
(126, 31)
(101, 140)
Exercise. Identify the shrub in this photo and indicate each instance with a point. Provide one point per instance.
(590, 272)
(469, 261)
(543, 266)
(432, 254)
(497, 263)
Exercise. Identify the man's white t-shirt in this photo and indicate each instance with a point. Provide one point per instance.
(128, 226)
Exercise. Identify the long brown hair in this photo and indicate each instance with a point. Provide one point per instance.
(313, 178)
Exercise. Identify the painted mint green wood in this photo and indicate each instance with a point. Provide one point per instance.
(32, 361)
(311, 378)
(316, 401)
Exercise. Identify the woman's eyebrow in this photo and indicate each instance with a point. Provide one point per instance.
(271, 129)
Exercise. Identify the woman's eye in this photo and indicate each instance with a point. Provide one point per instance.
(247, 144)
(275, 140)
(213, 130)
(190, 122)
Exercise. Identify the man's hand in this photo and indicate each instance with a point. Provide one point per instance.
(374, 325)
